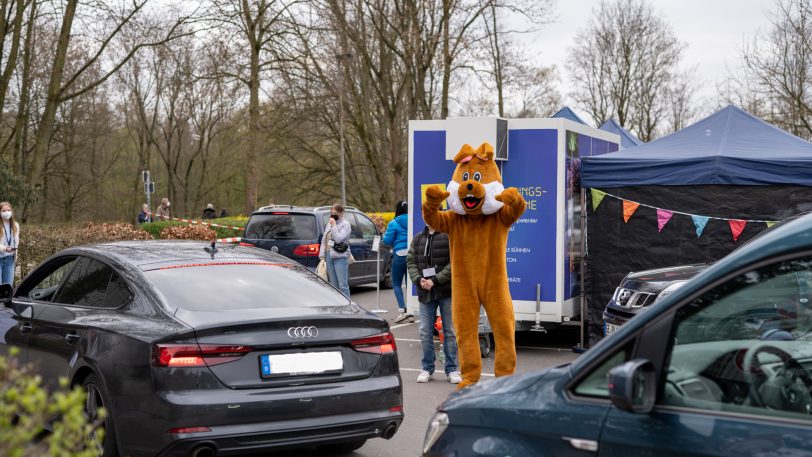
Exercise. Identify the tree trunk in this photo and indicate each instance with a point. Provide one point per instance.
(447, 59)
(21, 123)
(43, 138)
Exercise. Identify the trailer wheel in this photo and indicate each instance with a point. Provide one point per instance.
(485, 345)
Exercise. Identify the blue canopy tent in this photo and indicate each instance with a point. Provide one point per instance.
(627, 140)
(730, 146)
(730, 165)
(567, 113)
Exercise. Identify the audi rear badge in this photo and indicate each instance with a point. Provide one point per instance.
(303, 332)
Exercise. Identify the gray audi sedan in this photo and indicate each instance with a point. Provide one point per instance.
(202, 351)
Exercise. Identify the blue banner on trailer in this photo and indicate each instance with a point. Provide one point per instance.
(547, 173)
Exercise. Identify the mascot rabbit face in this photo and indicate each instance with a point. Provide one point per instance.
(476, 182)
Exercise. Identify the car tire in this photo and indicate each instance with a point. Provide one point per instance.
(386, 282)
(485, 345)
(97, 398)
(341, 448)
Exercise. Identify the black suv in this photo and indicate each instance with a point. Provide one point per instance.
(640, 289)
(296, 232)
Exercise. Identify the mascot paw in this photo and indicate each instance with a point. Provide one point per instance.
(510, 197)
(465, 383)
(436, 195)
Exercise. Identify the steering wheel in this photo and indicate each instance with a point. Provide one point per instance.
(782, 390)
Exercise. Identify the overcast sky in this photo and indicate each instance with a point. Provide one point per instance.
(714, 31)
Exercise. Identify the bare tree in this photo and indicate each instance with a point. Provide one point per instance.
(778, 67)
(264, 27)
(63, 87)
(624, 64)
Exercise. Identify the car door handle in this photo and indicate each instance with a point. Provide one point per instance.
(71, 338)
(582, 445)
(26, 328)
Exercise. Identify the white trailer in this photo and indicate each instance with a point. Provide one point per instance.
(540, 157)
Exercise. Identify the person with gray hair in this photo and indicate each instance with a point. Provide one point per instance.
(209, 212)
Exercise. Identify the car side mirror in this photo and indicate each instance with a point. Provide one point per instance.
(633, 386)
(6, 291)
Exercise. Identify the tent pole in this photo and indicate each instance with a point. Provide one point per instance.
(583, 249)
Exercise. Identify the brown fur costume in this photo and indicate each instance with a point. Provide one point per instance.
(477, 228)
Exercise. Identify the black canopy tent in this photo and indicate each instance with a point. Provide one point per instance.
(728, 165)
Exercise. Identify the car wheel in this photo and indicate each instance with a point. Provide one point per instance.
(96, 400)
(484, 345)
(386, 282)
(341, 448)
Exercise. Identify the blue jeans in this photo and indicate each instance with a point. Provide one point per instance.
(7, 269)
(338, 270)
(428, 314)
(398, 275)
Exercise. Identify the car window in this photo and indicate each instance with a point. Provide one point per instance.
(746, 345)
(282, 226)
(366, 227)
(86, 285)
(262, 286)
(45, 288)
(118, 293)
(596, 383)
(356, 230)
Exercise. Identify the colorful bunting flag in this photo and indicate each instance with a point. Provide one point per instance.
(700, 222)
(771, 223)
(597, 198)
(736, 226)
(628, 209)
(663, 216)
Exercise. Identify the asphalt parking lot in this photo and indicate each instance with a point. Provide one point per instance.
(535, 351)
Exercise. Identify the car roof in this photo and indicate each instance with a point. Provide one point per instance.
(168, 252)
(299, 209)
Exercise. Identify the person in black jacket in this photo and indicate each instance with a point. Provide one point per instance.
(209, 212)
(429, 265)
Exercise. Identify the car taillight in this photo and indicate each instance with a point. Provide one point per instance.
(376, 344)
(187, 355)
(180, 430)
(307, 250)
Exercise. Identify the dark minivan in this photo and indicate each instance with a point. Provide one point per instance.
(296, 233)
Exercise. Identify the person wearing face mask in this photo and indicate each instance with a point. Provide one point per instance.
(335, 249)
(10, 241)
(163, 210)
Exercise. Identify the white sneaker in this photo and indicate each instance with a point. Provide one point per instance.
(454, 377)
(425, 376)
(403, 317)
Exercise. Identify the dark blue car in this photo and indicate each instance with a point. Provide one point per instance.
(721, 367)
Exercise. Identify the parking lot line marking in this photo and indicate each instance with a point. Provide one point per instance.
(545, 349)
(415, 369)
(410, 340)
(403, 325)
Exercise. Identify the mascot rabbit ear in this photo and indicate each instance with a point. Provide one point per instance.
(466, 152)
(485, 151)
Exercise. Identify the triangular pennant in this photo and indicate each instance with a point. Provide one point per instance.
(771, 223)
(700, 222)
(736, 227)
(663, 216)
(597, 198)
(628, 209)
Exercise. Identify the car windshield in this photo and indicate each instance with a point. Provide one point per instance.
(238, 285)
(282, 226)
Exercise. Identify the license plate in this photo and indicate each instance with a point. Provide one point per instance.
(299, 364)
(609, 329)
